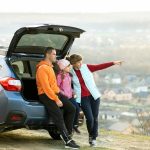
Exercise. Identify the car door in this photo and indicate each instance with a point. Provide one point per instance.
(31, 41)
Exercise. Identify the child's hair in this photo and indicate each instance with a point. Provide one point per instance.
(74, 58)
(63, 76)
(56, 68)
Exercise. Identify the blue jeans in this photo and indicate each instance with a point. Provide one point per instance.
(90, 108)
(76, 118)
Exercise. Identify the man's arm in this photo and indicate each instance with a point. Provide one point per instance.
(45, 86)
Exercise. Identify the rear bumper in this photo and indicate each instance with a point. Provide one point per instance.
(13, 106)
(20, 113)
(16, 118)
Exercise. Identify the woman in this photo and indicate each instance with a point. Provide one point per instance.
(87, 92)
(64, 81)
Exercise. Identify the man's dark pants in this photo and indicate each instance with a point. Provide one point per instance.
(63, 121)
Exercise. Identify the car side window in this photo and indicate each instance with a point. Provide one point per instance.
(18, 67)
(21, 68)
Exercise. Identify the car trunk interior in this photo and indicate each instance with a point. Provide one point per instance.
(29, 90)
(25, 70)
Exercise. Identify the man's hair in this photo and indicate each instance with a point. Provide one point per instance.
(48, 50)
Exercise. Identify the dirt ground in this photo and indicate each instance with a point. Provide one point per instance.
(23, 139)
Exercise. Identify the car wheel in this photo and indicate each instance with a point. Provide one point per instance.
(55, 135)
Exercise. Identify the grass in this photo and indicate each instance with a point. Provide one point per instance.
(113, 140)
(37, 140)
(94, 148)
(125, 136)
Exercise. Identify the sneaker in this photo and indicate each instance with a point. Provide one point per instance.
(93, 143)
(71, 144)
(76, 130)
(74, 142)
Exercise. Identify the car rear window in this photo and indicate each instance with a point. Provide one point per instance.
(43, 40)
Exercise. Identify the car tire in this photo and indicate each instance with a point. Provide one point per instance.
(55, 135)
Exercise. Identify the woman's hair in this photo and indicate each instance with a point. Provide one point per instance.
(74, 58)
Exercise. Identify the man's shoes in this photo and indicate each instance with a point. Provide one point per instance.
(71, 144)
(76, 130)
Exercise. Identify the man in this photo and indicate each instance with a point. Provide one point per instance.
(48, 92)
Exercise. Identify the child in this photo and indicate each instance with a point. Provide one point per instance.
(64, 81)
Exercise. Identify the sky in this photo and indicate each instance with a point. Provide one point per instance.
(73, 6)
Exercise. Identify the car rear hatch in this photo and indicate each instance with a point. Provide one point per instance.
(31, 41)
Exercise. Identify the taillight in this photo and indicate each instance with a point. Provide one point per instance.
(10, 84)
(16, 117)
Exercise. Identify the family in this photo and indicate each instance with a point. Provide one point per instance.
(71, 88)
